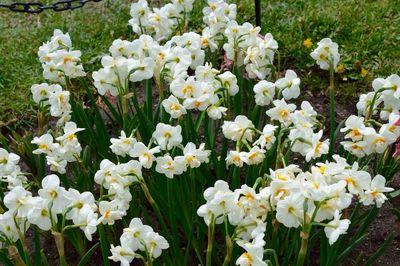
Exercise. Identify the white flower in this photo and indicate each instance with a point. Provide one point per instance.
(133, 235)
(143, 69)
(122, 254)
(356, 129)
(123, 145)
(89, 226)
(54, 193)
(240, 129)
(39, 214)
(9, 228)
(254, 253)
(173, 107)
(289, 211)
(45, 144)
(20, 200)
(375, 192)
(317, 147)
(267, 139)
(41, 92)
(326, 53)
(82, 205)
(170, 167)
(290, 85)
(359, 149)
(336, 227)
(229, 82)
(264, 92)
(145, 155)
(281, 111)
(216, 112)
(236, 158)
(393, 83)
(167, 136)
(155, 243)
(8, 162)
(110, 212)
(59, 102)
(194, 157)
(255, 156)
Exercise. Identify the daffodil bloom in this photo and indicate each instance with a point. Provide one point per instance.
(289, 211)
(336, 227)
(173, 107)
(240, 129)
(375, 192)
(167, 136)
(264, 92)
(326, 53)
(124, 255)
(290, 85)
(123, 145)
(144, 154)
(281, 111)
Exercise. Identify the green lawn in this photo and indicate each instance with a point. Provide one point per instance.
(368, 33)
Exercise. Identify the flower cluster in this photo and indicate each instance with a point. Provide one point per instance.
(167, 138)
(59, 60)
(243, 208)
(54, 96)
(129, 61)
(44, 210)
(298, 198)
(366, 135)
(201, 99)
(66, 149)
(138, 237)
(297, 125)
(246, 47)
(10, 171)
(162, 22)
(216, 16)
(205, 91)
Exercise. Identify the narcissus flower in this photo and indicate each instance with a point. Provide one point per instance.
(375, 192)
(336, 227)
(326, 54)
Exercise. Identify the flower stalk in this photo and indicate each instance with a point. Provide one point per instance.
(211, 228)
(14, 255)
(59, 239)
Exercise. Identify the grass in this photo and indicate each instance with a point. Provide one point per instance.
(367, 31)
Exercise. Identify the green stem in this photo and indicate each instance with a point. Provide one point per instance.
(153, 204)
(210, 241)
(332, 110)
(59, 239)
(303, 249)
(228, 255)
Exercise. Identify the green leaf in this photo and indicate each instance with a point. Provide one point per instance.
(38, 255)
(394, 194)
(4, 259)
(104, 245)
(88, 255)
(346, 252)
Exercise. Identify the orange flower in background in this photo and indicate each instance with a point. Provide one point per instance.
(307, 43)
(363, 72)
(340, 69)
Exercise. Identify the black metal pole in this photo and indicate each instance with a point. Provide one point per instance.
(258, 12)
